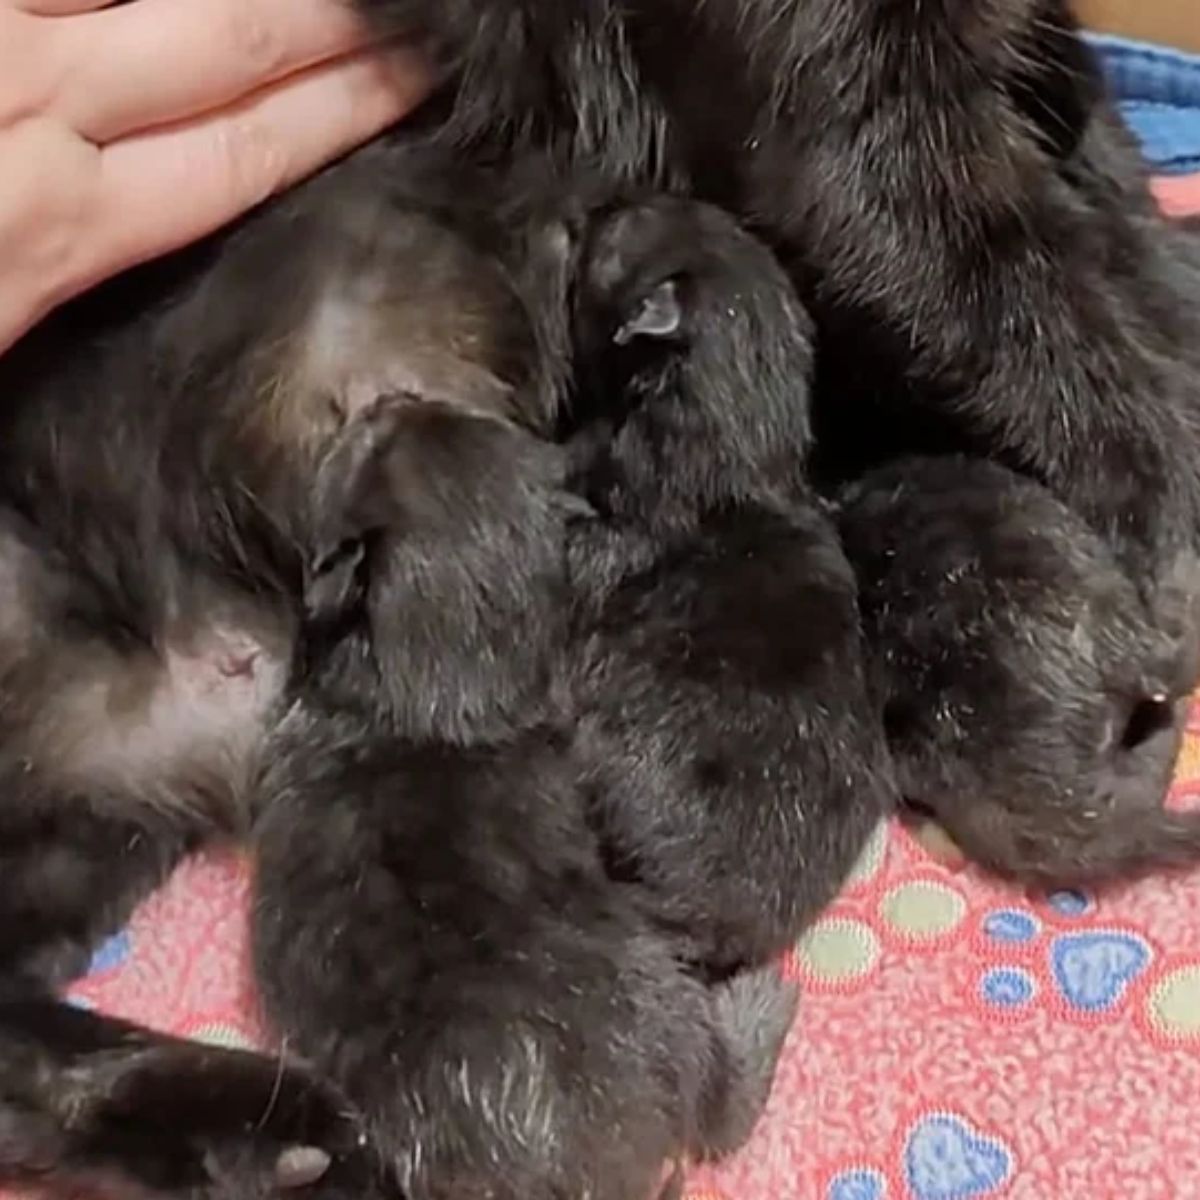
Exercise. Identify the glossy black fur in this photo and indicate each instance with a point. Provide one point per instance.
(1030, 705)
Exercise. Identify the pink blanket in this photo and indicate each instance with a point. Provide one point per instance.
(956, 1039)
(1179, 195)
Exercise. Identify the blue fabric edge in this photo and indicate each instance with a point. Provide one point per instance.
(1158, 90)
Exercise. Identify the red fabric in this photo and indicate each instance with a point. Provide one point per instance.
(956, 1038)
(1179, 195)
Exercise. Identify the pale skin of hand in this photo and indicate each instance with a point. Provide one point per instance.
(130, 130)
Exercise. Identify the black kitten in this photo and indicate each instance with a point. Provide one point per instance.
(736, 764)
(1030, 705)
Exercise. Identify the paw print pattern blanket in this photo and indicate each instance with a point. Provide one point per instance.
(956, 1039)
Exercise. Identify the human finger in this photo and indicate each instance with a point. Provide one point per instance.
(129, 68)
(168, 187)
(51, 177)
(60, 8)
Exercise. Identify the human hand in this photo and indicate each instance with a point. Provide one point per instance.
(129, 130)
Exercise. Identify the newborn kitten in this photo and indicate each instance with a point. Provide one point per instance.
(1030, 705)
(737, 767)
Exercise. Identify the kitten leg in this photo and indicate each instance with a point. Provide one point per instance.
(87, 1099)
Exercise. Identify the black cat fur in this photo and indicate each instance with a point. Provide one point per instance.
(156, 501)
(156, 492)
(1030, 706)
(514, 1019)
(176, 592)
(74, 423)
(965, 216)
(897, 153)
(498, 1009)
(89, 1103)
(716, 654)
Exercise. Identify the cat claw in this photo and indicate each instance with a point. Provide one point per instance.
(300, 1166)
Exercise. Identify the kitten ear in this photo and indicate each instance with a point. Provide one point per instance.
(347, 504)
(333, 581)
(440, 531)
(659, 315)
(350, 490)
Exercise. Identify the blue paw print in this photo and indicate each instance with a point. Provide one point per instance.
(1069, 903)
(1093, 970)
(112, 954)
(860, 1183)
(1011, 925)
(1007, 987)
(945, 1158)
